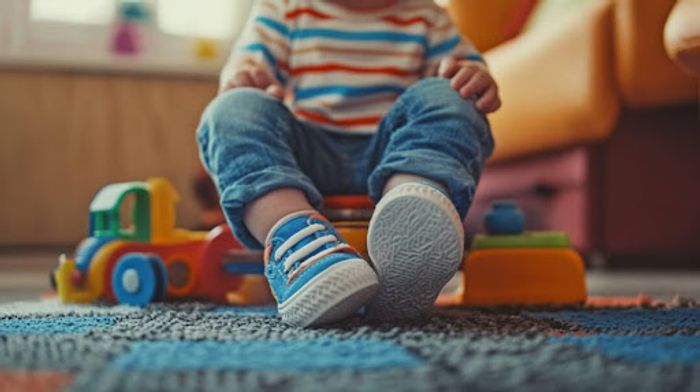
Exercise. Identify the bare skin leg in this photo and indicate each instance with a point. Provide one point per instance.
(401, 178)
(262, 214)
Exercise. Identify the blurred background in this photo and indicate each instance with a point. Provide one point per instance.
(599, 134)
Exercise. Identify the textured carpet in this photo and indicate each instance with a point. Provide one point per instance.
(45, 346)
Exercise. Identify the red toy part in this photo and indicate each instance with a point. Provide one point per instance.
(213, 283)
(77, 278)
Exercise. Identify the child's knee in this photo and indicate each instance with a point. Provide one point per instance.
(430, 91)
(240, 114)
(436, 95)
(239, 104)
(429, 85)
(433, 100)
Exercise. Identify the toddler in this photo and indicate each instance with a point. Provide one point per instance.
(350, 97)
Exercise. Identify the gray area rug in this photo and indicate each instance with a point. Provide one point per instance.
(201, 347)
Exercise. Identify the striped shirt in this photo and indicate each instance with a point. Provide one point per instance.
(344, 69)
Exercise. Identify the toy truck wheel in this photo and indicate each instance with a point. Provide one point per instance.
(139, 279)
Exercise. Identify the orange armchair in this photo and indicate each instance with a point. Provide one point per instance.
(598, 131)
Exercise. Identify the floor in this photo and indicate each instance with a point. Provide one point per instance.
(24, 275)
(48, 346)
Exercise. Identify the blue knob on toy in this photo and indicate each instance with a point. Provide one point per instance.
(504, 218)
(133, 11)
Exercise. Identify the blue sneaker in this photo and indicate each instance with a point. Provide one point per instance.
(315, 276)
(415, 241)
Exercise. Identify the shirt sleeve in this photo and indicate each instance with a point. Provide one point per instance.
(263, 42)
(444, 40)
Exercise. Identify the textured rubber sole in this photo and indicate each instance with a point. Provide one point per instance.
(333, 295)
(416, 243)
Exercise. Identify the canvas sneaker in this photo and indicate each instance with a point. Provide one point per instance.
(314, 274)
(416, 244)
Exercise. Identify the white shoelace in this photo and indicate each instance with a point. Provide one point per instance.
(305, 250)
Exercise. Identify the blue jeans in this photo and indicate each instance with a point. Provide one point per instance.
(252, 144)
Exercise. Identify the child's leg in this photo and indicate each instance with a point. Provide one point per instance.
(403, 178)
(433, 145)
(262, 213)
(249, 143)
(246, 139)
(433, 133)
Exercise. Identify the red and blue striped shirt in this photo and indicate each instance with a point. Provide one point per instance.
(343, 69)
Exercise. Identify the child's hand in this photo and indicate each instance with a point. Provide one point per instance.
(472, 78)
(256, 77)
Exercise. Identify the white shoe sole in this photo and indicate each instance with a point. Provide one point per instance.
(333, 295)
(416, 243)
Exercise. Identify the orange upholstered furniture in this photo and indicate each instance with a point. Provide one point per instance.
(599, 127)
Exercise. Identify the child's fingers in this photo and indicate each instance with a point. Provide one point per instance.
(462, 77)
(242, 78)
(227, 86)
(489, 101)
(448, 67)
(275, 90)
(478, 83)
(260, 77)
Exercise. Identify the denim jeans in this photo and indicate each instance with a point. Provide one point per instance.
(252, 144)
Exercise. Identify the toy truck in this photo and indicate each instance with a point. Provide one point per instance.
(148, 259)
